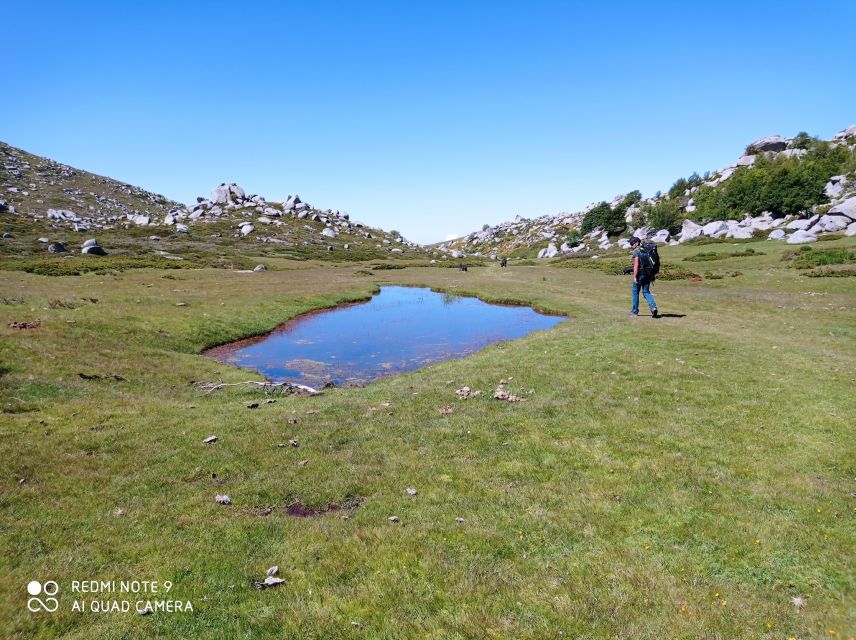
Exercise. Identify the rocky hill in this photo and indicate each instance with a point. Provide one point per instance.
(716, 205)
(49, 207)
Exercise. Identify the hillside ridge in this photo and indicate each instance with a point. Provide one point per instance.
(40, 195)
(679, 210)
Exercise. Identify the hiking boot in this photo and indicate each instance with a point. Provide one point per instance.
(630, 313)
(655, 314)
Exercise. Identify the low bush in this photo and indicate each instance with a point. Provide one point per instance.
(821, 257)
(713, 255)
(826, 272)
(675, 272)
(78, 265)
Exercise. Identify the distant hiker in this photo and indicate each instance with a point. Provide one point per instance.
(503, 262)
(644, 272)
(462, 267)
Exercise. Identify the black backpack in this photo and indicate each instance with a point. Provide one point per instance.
(649, 263)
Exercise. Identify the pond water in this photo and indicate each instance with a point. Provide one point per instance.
(398, 330)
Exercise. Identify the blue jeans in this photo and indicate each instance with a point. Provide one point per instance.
(652, 304)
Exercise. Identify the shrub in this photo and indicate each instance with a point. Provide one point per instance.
(612, 220)
(666, 214)
(604, 216)
(573, 237)
(631, 198)
(802, 141)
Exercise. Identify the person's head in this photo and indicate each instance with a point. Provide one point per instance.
(635, 242)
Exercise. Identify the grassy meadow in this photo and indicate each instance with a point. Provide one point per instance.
(686, 477)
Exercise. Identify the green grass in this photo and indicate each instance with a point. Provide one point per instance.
(678, 478)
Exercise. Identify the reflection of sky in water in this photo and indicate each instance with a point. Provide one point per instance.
(400, 329)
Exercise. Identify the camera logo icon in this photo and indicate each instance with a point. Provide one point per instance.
(49, 589)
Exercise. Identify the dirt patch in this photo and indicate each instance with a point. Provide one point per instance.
(300, 510)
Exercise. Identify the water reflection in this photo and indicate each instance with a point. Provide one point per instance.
(398, 330)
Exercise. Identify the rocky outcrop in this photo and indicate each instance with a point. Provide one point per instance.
(548, 236)
(769, 143)
(64, 199)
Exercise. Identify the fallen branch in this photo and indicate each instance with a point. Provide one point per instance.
(266, 386)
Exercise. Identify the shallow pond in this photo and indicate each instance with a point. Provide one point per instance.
(400, 329)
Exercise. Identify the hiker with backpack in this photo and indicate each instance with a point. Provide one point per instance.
(646, 265)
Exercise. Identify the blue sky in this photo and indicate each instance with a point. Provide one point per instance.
(431, 118)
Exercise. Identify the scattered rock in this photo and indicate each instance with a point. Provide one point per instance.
(260, 267)
(56, 247)
(393, 518)
(769, 143)
(293, 442)
(93, 250)
(210, 440)
(446, 410)
(119, 512)
(272, 571)
(689, 230)
(502, 394)
(225, 500)
(411, 491)
(801, 236)
(252, 405)
(459, 520)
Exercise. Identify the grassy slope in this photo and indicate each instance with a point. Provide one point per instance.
(675, 478)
